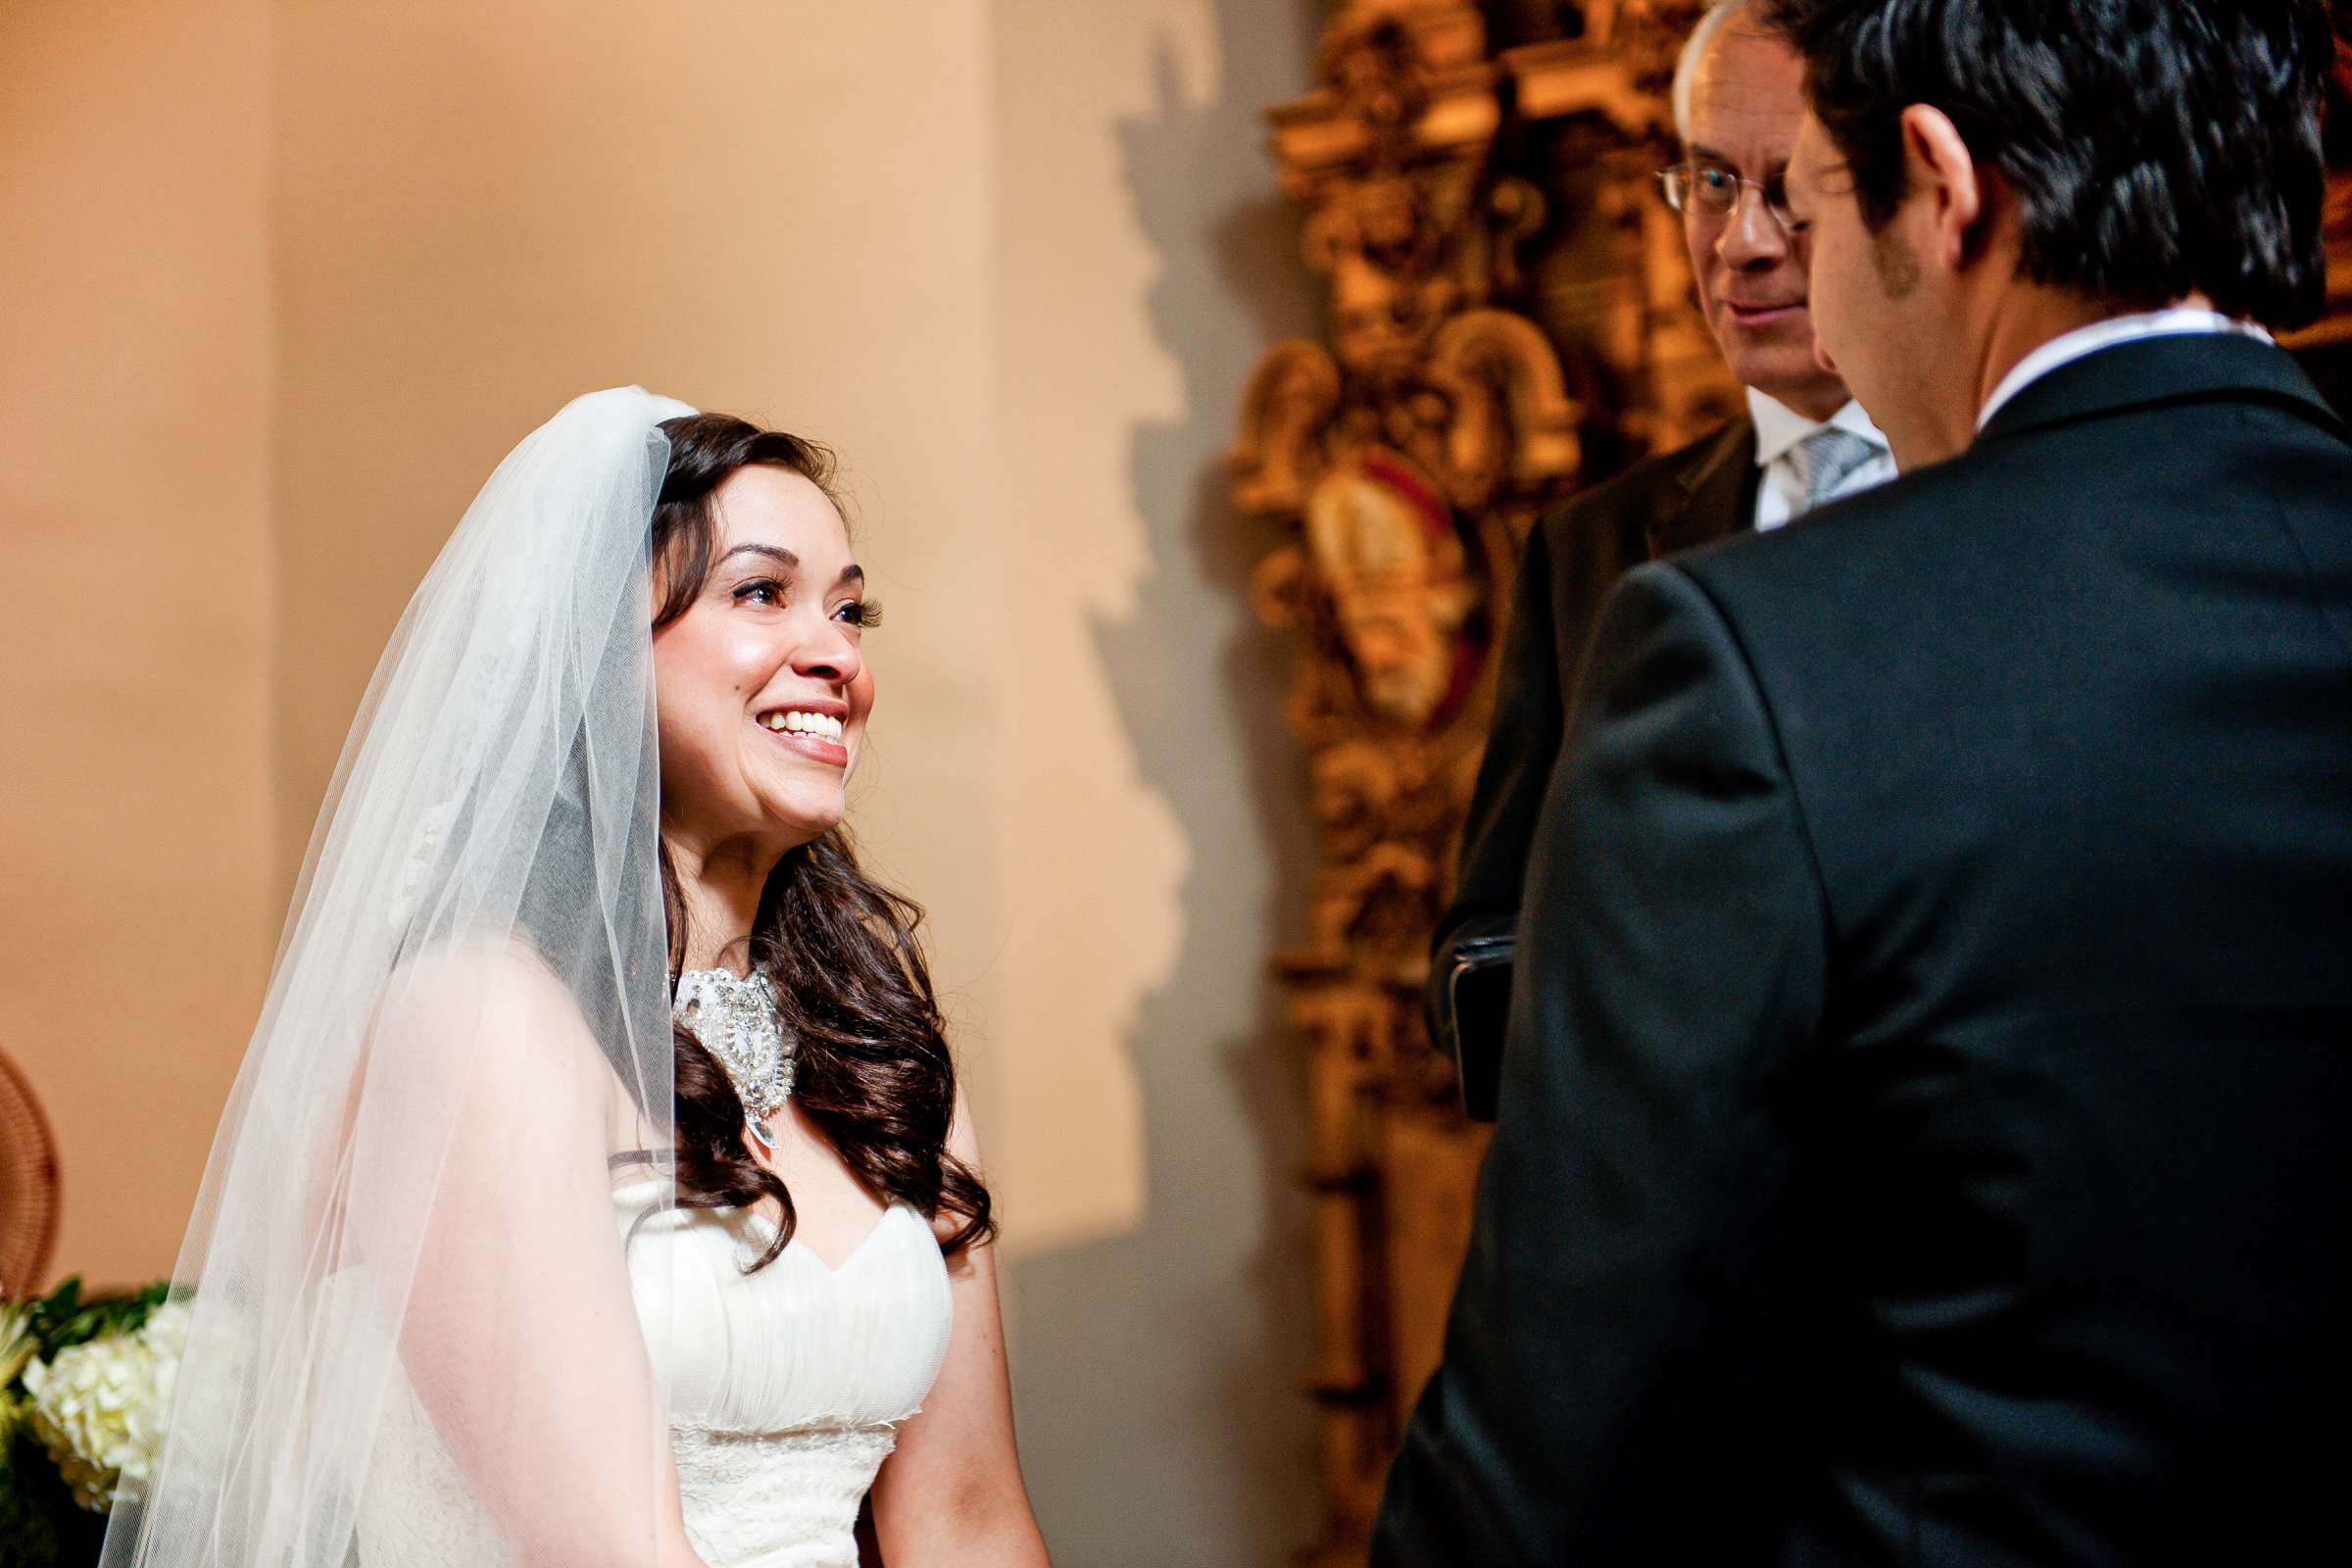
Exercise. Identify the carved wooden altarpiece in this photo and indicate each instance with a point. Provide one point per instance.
(1510, 318)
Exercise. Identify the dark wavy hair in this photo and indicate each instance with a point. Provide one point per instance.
(872, 1068)
(2158, 147)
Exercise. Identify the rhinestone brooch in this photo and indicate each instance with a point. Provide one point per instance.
(735, 1018)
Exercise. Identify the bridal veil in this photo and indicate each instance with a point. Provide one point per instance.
(464, 1049)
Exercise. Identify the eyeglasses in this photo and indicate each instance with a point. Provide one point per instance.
(1712, 190)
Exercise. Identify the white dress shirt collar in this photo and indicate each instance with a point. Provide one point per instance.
(2084, 341)
(1782, 488)
(1779, 428)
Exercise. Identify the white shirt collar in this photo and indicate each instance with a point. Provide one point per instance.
(2084, 341)
(1779, 428)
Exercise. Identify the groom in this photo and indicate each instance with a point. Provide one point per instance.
(1924, 1120)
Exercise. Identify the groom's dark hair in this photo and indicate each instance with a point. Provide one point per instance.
(2158, 148)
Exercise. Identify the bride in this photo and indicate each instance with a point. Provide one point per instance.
(596, 1188)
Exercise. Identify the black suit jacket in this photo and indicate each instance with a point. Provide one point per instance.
(1575, 555)
(1926, 1117)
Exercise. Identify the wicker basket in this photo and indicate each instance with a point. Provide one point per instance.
(28, 1201)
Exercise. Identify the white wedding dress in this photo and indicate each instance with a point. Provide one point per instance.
(786, 1388)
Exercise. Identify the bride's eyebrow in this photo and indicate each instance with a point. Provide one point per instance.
(789, 562)
(776, 553)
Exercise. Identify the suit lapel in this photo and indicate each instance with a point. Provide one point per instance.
(1715, 497)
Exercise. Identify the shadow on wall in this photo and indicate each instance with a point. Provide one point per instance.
(1173, 1429)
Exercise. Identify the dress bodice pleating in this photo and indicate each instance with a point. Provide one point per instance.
(785, 1389)
(785, 1385)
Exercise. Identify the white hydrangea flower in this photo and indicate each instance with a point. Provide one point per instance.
(100, 1408)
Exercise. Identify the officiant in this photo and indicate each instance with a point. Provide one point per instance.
(1803, 441)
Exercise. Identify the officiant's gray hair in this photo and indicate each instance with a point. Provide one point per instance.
(1718, 15)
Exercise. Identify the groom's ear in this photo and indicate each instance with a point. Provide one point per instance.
(1938, 166)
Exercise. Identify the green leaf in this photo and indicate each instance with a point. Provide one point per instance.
(63, 1318)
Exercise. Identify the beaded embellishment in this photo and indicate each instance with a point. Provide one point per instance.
(735, 1018)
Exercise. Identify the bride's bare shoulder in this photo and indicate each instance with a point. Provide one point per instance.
(491, 1005)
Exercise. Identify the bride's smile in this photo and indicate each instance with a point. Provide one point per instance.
(817, 725)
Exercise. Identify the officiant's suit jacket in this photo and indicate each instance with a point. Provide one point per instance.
(1925, 1125)
(1575, 555)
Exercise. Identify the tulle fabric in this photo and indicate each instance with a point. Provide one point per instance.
(465, 1052)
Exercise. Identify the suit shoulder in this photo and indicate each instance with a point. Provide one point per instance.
(1655, 596)
(1903, 518)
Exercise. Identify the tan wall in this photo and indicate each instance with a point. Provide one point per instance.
(1150, 1127)
(774, 209)
(137, 899)
(1014, 259)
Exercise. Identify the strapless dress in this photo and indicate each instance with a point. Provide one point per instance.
(785, 1387)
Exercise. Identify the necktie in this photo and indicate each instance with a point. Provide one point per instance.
(1826, 457)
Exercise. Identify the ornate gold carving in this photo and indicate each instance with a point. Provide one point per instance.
(2333, 331)
(1401, 465)
(1381, 542)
